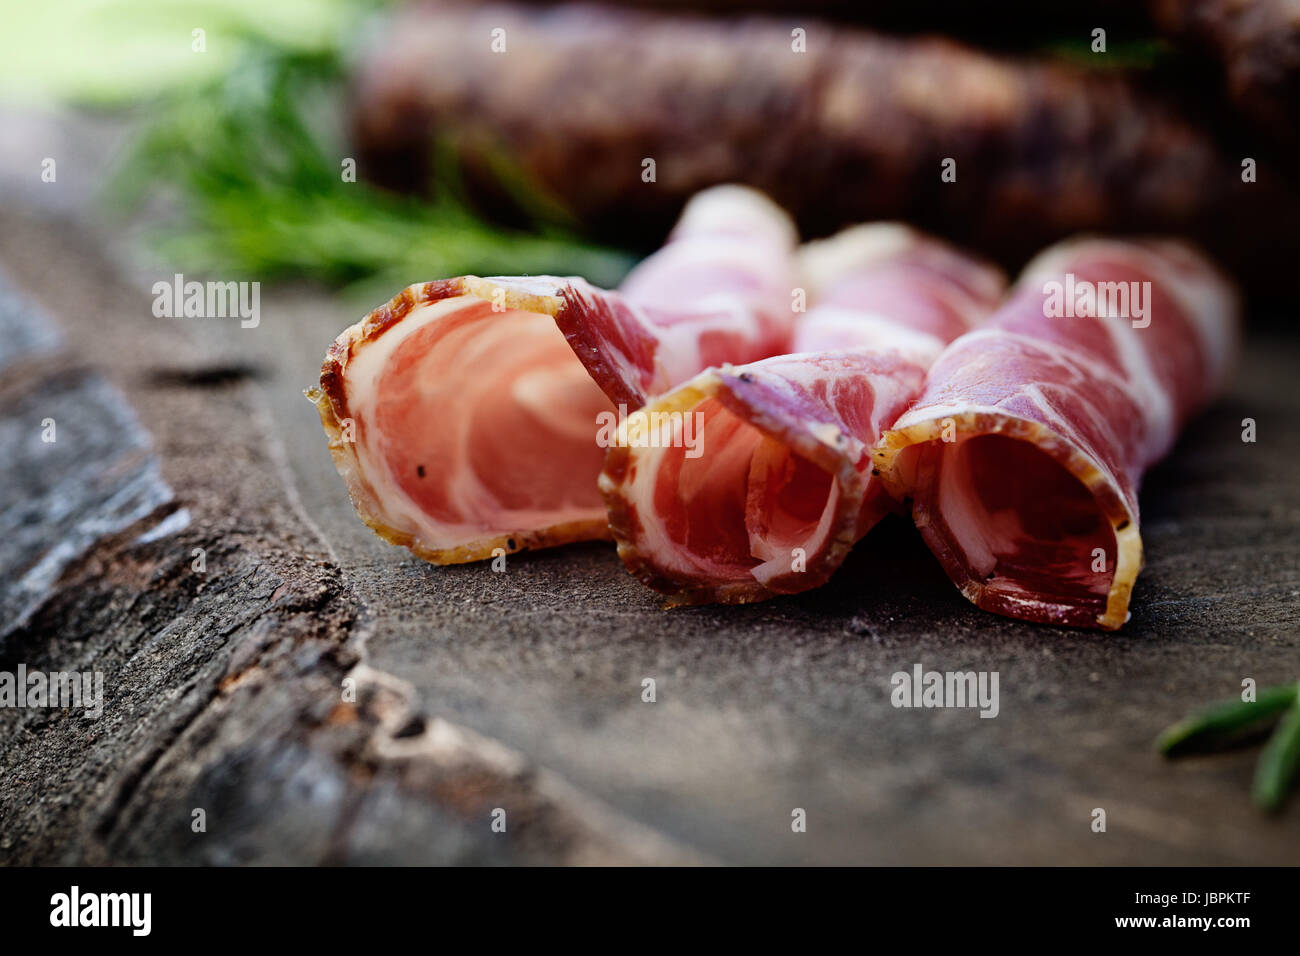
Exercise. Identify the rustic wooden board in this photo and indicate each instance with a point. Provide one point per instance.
(523, 690)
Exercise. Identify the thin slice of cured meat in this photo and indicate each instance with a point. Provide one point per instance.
(750, 481)
(465, 415)
(1023, 456)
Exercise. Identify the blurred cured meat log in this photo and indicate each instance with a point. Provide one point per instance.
(1002, 23)
(857, 128)
(1258, 43)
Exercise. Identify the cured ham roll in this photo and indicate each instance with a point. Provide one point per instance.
(755, 480)
(464, 415)
(1023, 456)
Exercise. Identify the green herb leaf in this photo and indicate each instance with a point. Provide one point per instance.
(1278, 762)
(1220, 722)
(252, 166)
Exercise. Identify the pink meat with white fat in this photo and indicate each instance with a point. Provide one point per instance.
(1023, 457)
(464, 414)
(749, 481)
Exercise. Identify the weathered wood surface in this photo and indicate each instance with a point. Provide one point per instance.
(523, 690)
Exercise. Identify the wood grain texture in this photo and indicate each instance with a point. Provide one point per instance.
(522, 690)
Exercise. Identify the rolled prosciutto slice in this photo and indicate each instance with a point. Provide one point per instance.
(464, 414)
(750, 481)
(1023, 456)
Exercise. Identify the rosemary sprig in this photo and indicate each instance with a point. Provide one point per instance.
(1232, 722)
(253, 164)
(1277, 764)
(1225, 718)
